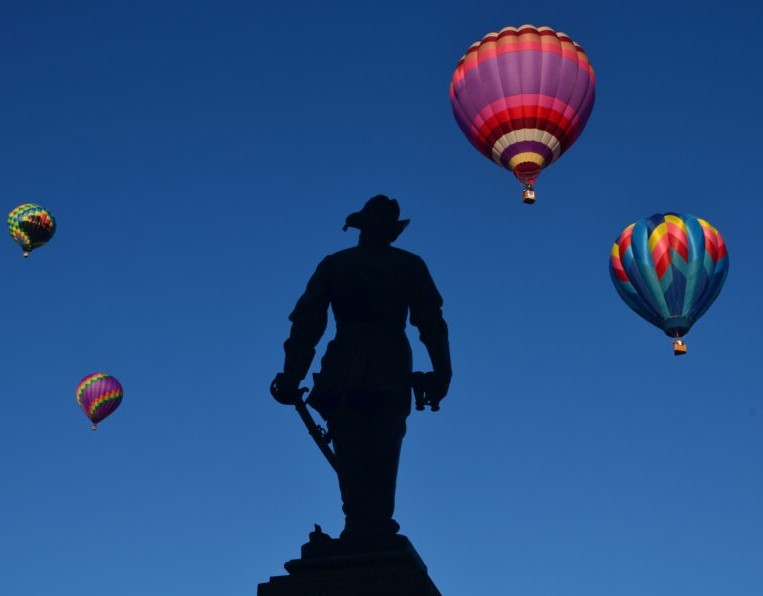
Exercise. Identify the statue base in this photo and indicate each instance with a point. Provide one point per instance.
(337, 568)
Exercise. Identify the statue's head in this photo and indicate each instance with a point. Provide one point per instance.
(380, 217)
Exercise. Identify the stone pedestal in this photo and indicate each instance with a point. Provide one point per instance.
(330, 568)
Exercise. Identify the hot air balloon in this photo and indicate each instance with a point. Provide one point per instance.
(669, 268)
(99, 394)
(31, 226)
(522, 97)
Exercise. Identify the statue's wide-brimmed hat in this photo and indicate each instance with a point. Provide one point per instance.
(379, 213)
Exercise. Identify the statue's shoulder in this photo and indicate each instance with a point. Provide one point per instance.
(345, 254)
(342, 253)
(358, 254)
(408, 258)
(405, 254)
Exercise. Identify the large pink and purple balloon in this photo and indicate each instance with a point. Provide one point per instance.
(522, 96)
(99, 394)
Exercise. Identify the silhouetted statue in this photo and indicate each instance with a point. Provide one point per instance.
(363, 390)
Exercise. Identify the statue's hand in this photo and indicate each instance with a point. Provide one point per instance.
(285, 390)
(437, 386)
(429, 389)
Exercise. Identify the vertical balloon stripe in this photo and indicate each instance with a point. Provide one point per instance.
(470, 100)
(713, 241)
(697, 278)
(631, 297)
(558, 87)
(645, 265)
(493, 92)
(545, 119)
(674, 284)
(626, 252)
(621, 262)
(624, 241)
(666, 281)
(712, 291)
(583, 114)
(659, 247)
(711, 247)
(677, 238)
(639, 284)
(617, 267)
(710, 231)
(711, 244)
(470, 127)
(529, 76)
(720, 263)
(582, 96)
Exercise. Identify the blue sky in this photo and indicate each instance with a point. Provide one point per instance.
(200, 159)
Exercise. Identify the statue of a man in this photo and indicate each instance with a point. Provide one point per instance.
(363, 390)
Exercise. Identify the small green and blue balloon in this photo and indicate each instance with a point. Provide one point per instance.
(99, 394)
(31, 226)
(669, 268)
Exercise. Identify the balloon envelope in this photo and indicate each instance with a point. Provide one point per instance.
(31, 226)
(669, 268)
(522, 97)
(99, 394)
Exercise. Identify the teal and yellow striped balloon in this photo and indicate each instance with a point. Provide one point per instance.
(31, 226)
(669, 268)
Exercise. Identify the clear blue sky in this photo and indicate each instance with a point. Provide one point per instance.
(200, 159)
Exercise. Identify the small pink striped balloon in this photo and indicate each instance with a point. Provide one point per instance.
(99, 394)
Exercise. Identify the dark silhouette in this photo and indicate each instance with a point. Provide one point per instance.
(363, 390)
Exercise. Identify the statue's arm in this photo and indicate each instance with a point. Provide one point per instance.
(426, 315)
(308, 323)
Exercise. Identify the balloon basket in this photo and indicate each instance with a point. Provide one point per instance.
(26, 254)
(679, 348)
(95, 427)
(528, 196)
